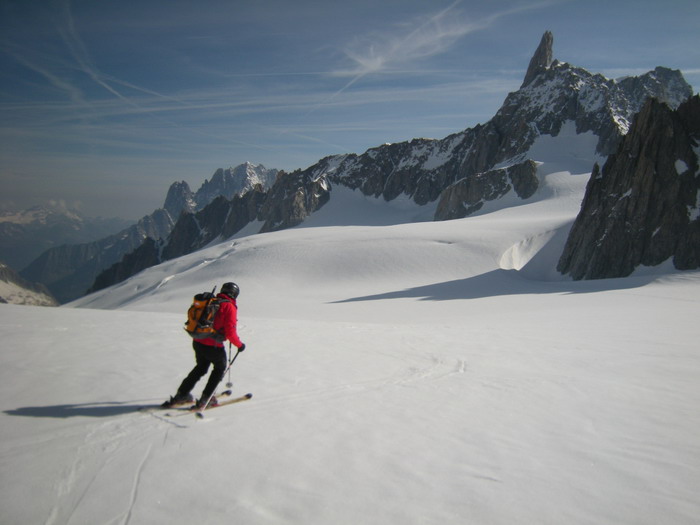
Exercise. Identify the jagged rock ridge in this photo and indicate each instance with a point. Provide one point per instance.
(554, 93)
(69, 270)
(468, 195)
(541, 60)
(290, 200)
(465, 169)
(642, 208)
(234, 182)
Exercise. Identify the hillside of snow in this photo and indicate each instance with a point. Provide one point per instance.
(403, 371)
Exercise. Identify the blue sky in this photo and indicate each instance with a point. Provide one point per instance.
(103, 104)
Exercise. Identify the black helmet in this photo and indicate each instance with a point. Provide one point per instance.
(230, 289)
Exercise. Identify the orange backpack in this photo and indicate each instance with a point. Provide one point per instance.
(201, 315)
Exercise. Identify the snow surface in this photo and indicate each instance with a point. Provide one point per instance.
(681, 166)
(402, 372)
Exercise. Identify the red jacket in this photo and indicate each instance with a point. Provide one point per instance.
(225, 323)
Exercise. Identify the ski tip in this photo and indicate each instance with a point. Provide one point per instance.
(226, 392)
(248, 396)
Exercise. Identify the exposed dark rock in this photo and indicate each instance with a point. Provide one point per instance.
(541, 60)
(221, 219)
(292, 198)
(554, 93)
(233, 182)
(468, 195)
(179, 199)
(642, 208)
(244, 212)
(145, 256)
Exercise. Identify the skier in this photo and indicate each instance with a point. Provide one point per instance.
(211, 352)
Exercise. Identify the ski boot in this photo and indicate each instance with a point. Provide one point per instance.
(178, 399)
(213, 402)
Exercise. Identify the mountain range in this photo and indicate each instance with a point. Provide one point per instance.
(26, 234)
(450, 178)
(69, 270)
(466, 173)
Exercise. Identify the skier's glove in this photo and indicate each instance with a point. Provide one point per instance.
(241, 348)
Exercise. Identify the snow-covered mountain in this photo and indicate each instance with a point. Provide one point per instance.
(554, 95)
(233, 182)
(451, 177)
(227, 183)
(44, 215)
(70, 269)
(15, 290)
(25, 234)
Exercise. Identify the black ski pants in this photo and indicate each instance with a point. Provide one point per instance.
(205, 355)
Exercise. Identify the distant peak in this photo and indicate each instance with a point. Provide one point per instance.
(542, 58)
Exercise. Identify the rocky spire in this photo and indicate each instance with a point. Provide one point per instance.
(542, 58)
(642, 208)
(179, 199)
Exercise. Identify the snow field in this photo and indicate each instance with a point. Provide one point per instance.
(548, 408)
(402, 372)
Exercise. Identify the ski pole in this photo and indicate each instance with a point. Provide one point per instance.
(229, 384)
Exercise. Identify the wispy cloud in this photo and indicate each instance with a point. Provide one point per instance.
(63, 85)
(409, 41)
(412, 41)
(415, 40)
(71, 38)
(84, 62)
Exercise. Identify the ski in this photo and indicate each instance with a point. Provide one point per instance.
(199, 413)
(186, 410)
(179, 406)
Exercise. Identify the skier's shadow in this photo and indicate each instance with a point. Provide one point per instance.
(83, 410)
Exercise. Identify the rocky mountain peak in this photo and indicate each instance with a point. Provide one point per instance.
(563, 92)
(542, 58)
(464, 164)
(642, 208)
(234, 181)
(179, 199)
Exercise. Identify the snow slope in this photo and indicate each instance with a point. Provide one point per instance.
(403, 372)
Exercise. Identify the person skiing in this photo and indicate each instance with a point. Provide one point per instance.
(210, 351)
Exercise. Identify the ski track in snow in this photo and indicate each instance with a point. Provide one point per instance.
(102, 449)
(438, 369)
(135, 485)
(70, 482)
(434, 370)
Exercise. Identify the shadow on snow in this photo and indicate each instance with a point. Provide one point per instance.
(500, 283)
(81, 410)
